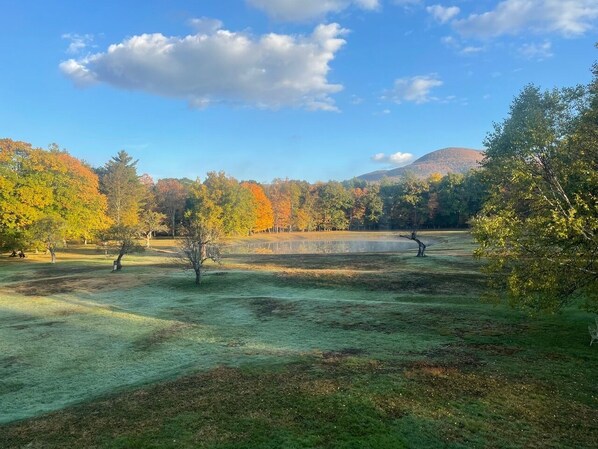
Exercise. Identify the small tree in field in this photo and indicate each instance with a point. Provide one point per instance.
(49, 231)
(150, 223)
(421, 250)
(121, 240)
(199, 244)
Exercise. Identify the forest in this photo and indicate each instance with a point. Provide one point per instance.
(53, 184)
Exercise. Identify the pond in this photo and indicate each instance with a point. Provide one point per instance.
(322, 247)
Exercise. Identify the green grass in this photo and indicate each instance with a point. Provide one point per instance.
(331, 351)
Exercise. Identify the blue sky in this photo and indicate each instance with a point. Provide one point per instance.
(305, 89)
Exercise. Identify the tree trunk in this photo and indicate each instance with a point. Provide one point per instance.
(147, 239)
(52, 254)
(421, 250)
(117, 264)
(197, 276)
(173, 225)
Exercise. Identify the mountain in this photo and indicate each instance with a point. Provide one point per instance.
(446, 160)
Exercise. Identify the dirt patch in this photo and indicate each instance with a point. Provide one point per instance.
(10, 387)
(70, 284)
(50, 286)
(35, 324)
(448, 381)
(454, 356)
(12, 364)
(68, 312)
(385, 328)
(495, 349)
(406, 281)
(422, 367)
(64, 270)
(155, 339)
(489, 328)
(265, 308)
(343, 353)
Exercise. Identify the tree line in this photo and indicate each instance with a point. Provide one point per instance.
(48, 197)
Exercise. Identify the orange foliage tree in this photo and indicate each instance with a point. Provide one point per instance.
(264, 213)
(171, 195)
(36, 184)
(279, 193)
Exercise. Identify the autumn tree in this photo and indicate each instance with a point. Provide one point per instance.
(303, 204)
(538, 228)
(264, 215)
(123, 189)
(151, 222)
(205, 225)
(279, 194)
(36, 183)
(170, 196)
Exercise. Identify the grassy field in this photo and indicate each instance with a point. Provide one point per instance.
(276, 351)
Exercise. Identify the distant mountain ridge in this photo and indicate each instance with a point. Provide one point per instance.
(444, 161)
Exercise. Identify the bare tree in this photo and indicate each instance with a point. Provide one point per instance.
(200, 243)
(421, 245)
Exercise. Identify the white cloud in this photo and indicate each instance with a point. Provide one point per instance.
(81, 75)
(565, 17)
(304, 10)
(538, 52)
(450, 41)
(460, 47)
(406, 2)
(415, 89)
(78, 42)
(271, 71)
(397, 159)
(471, 50)
(442, 13)
(205, 25)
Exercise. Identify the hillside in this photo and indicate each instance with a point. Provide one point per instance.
(446, 160)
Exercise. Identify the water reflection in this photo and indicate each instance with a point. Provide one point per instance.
(321, 247)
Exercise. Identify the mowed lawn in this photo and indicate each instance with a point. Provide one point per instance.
(286, 351)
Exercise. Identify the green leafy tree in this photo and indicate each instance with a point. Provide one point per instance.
(406, 202)
(538, 227)
(50, 231)
(225, 204)
(333, 207)
(123, 189)
(121, 240)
